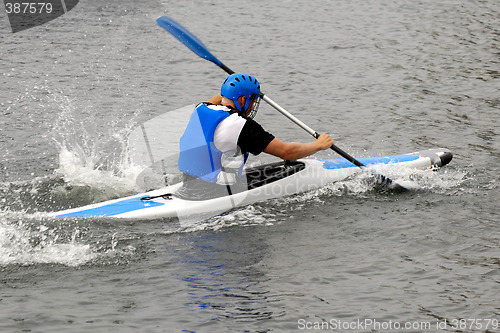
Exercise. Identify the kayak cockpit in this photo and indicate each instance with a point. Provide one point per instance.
(269, 173)
(195, 189)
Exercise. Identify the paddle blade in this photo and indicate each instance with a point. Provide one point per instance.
(388, 183)
(187, 38)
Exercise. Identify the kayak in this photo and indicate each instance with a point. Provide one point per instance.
(264, 182)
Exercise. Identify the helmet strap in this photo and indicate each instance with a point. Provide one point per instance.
(239, 107)
(247, 103)
(237, 104)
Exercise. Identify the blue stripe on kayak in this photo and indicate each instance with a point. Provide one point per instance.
(341, 163)
(116, 208)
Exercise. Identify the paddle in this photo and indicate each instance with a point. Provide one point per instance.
(195, 45)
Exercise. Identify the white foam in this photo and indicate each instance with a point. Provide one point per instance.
(92, 154)
(80, 169)
(245, 216)
(20, 245)
(442, 180)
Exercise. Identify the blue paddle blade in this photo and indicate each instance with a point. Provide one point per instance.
(187, 38)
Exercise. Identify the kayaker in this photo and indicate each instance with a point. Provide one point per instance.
(220, 135)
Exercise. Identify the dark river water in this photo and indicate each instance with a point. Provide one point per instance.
(383, 77)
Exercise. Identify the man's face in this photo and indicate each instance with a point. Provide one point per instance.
(252, 108)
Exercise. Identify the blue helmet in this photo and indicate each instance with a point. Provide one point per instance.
(241, 84)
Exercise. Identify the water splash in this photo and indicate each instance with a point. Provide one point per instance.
(246, 216)
(93, 166)
(32, 239)
(92, 154)
(29, 243)
(445, 181)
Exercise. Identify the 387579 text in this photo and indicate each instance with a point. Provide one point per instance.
(28, 7)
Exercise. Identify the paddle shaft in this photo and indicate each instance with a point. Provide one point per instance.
(310, 130)
(299, 123)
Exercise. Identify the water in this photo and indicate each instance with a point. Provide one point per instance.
(383, 78)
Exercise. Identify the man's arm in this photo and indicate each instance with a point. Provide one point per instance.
(290, 151)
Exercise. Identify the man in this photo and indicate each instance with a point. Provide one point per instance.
(220, 135)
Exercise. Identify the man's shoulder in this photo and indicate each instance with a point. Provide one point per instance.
(252, 125)
(233, 120)
(214, 107)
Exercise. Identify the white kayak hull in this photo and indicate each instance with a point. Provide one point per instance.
(312, 174)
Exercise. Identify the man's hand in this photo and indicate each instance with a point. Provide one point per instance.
(324, 141)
